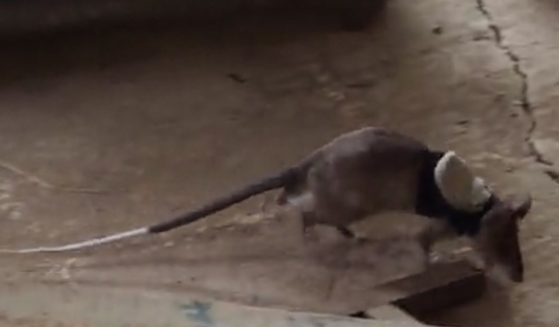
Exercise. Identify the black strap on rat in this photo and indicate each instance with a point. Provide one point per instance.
(431, 203)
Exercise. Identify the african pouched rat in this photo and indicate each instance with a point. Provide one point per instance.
(374, 170)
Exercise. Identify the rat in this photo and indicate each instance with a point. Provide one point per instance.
(369, 171)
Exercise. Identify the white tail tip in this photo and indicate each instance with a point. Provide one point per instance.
(84, 244)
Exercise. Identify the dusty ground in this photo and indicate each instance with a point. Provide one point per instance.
(102, 132)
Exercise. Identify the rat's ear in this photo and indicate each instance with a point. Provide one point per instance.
(521, 205)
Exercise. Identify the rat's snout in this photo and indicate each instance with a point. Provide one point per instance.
(507, 265)
(516, 273)
(505, 275)
(515, 262)
(518, 278)
(513, 270)
(511, 264)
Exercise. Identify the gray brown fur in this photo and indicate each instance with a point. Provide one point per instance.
(359, 174)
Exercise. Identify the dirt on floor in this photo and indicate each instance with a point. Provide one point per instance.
(110, 130)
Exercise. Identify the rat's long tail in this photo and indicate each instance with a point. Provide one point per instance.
(273, 182)
(83, 244)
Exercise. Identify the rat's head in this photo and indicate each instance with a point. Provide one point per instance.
(497, 241)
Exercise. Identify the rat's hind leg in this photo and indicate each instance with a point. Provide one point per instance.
(290, 192)
(308, 221)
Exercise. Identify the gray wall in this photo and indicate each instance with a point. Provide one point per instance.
(18, 16)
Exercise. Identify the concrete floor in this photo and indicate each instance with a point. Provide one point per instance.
(106, 131)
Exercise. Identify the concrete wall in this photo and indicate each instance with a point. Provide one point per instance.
(18, 17)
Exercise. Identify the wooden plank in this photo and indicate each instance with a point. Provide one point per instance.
(392, 313)
(439, 287)
(60, 305)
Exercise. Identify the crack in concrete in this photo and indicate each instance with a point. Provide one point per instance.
(524, 98)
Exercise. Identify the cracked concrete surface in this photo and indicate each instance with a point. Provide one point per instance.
(106, 131)
(524, 95)
(528, 31)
